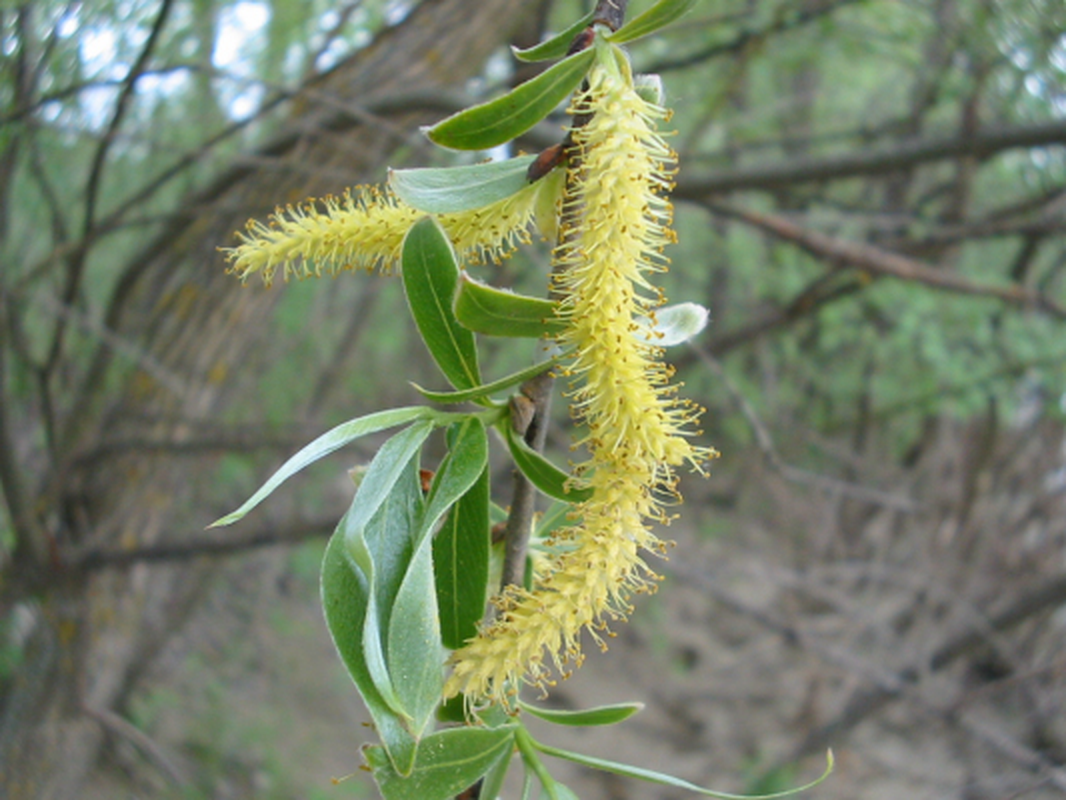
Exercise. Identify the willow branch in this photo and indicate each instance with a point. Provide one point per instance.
(203, 545)
(30, 537)
(786, 20)
(530, 415)
(980, 145)
(881, 262)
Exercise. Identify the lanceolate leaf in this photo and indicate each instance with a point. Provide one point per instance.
(346, 600)
(413, 643)
(556, 46)
(557, 516)
(479, 392)
(492, 785)
(544, 475)
(501, 120)
(324, 445)
(652, 776)
(378, 538)
(496, 312)
(461, 564)
(601, 715)
(430, 275)
(447, 763)
(448, 190)
(415, 653)
(658, 16)
(391, 465)
(468, 455)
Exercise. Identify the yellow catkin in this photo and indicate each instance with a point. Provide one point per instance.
(637, 429)
(365, 228)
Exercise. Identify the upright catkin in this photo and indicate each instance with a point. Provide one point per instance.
(636, 428)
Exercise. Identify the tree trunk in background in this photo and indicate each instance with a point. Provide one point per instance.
(196, 330)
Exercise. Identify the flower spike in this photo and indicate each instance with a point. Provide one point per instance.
(637, 428)
(364, 229)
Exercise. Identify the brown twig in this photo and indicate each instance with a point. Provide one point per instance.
(532, 425)
(293, 532)
(881, 262)
(764, 441)
(118, 726)
(980, 144)
(788, 19)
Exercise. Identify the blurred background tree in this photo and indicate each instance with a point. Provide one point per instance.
(872, 201)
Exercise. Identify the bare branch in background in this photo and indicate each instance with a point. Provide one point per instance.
(980, 144)
(765, 443)
(289, 532)
(880, 262)
(787, 18)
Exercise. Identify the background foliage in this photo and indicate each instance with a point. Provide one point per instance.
(871, 203)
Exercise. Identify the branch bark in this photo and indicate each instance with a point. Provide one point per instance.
(881, 262)
(980, 145)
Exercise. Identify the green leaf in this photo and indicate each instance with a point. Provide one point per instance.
(497, 312)
(479, 392)
(461, 564)
(448, 190)
(601, 715)
(392, 461)
(558, 791)
(453, 709)
(556, 46)
(628, 771)
(544, 475)
(414, 648)
(492, 786)
(382, 546)
(346, 600)
(325, 444)
(458, 471)
(430, 275)
(501, 120)
(658, 16)
(447, 762)
(415, 653)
